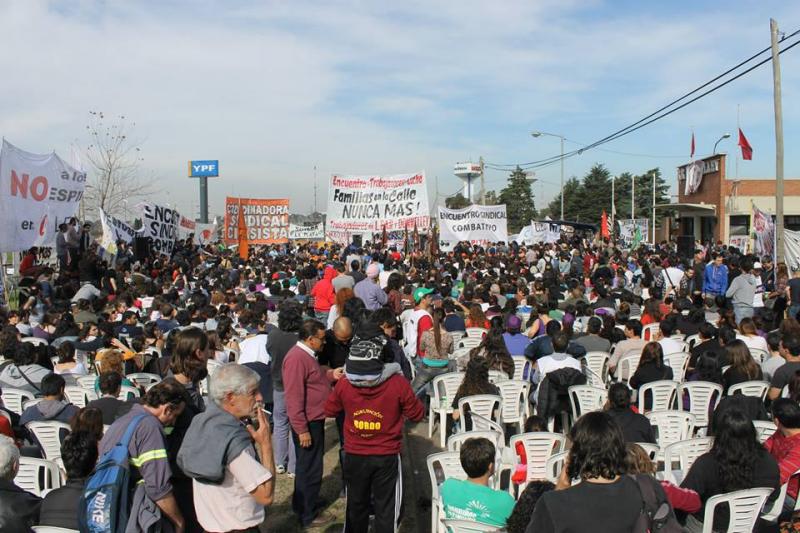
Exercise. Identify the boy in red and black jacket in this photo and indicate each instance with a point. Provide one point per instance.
(376, 399)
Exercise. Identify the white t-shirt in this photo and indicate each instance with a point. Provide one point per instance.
(756, 342)
(672, 279)
(553, 362)
(670, 346)
(254, 350)
(229, 505)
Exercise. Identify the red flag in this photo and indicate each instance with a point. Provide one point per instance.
(241, 230)
(692, 156)
(747, 150)
(604, 224)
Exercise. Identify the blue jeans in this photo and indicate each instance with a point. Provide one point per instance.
(742, 311)
(793, 310)
(281, 434)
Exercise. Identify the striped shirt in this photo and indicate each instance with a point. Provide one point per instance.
(786, 451)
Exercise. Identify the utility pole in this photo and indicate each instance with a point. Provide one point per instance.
(315, 189)
(613, 209)
(776, 81)
(654, 208)
(633, 197)
(562, 177)
(483, 188)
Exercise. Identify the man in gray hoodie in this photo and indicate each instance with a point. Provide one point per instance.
(742, 291)
(53, 406)
(24, 373)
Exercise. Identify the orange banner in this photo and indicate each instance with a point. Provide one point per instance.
(267, 220)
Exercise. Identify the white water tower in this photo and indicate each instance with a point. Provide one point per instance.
(467, 172)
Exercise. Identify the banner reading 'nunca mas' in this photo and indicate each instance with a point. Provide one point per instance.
(478, 224)
(37, 193)
(314, 232)
(267, 220)
(367, 204)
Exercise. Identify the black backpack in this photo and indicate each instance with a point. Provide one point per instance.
(656, 514)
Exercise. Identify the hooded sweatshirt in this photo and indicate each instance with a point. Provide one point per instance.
(12, 378)
(743, 290)
(57, 410)
(323, 294)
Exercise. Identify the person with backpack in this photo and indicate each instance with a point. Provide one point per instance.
(146, 494)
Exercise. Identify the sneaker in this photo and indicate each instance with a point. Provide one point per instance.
(290, 475)
(280, 469)
(323, 519)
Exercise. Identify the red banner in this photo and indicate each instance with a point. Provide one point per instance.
(267, 220)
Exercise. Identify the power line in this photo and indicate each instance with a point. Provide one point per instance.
(649, 119)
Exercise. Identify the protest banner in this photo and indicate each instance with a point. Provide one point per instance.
(791, 248)
(37, 193)
(478, 224)
(632, 232)
(313, 232)
(742, 242)
(114, 230)
(546, 232)
(267, 220)
(764, 231)
(160, 224)
(203, 233)
(366, 204)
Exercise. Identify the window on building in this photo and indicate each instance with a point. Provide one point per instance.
(740, 225)
(791, 222)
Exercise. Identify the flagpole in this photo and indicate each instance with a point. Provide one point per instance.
(654, 209)
(613, 209)
(738, 129)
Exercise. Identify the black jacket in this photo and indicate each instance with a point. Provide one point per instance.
(635, 427)
(552, 393)
(59, 507)
(19, 509)
(278, 344)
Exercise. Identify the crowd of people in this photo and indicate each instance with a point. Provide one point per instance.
(222, 373)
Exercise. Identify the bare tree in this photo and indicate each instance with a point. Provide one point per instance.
(116, 180)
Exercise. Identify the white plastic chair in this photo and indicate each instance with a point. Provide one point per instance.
(652, 450)
(516, 408)
(744, 506)
(143, 379)
(467, 526)
(87, 382)
(597, 364)
(127, 393)
(703, 396)
(449, 463)
(37, 475)
(671, 426)
(496, 376)
(13, 399)
(457, 335)
(554, 464)
(627, 365)
(759, 355)
(48, 434)
(539, 446)
(650, 330)
(53, 529)
(692, 340)
(444, 388)
(757, 389)
(35, 341)
(476, 333)
(468, 342)
(77, 395)
(764, 429)
(678, 362)
(776, 508)
(522, 368)
(685, 453)
(454, 442)
(484, 405)
(662, 394)
(585, 399)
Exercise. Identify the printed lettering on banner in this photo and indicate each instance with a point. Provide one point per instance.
(161, 225)
(477, 224)
(628, 232)
(37, 193)
(368, 204)
(791, 247)
(313, 232)
(203, 233)
(267, 220)
(114, 230)
(544, 232)
(742, 242)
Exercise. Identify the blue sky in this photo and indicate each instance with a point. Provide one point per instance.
(272, 89)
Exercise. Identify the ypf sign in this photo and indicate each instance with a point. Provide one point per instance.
(37, 192)
(204, 169)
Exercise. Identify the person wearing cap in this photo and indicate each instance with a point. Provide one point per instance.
(419, 321)
(758, 297)
(376, 400)
(369, 291)
(515, 341)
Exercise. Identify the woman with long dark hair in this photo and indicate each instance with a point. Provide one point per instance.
(493, 349)
(605, 500)
(437, 344)
(476, 381)
(743, 366)
(476, 317)
(736, 461)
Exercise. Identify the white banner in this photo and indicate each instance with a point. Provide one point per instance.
(764, 229)
(114, 230)
(544, 232)
(315, 232)
(791, 249)
(203, 233)
(742, 242)
(37, 193)
(161, 225)
(367, 204)
(631, 231)
(478, 224)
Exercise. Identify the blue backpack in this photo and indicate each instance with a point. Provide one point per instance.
(104, 504)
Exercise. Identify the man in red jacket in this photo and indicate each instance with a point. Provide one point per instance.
(306, 386)
(376, 399)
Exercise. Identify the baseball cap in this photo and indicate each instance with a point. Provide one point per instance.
(421, 292)
(756, 266)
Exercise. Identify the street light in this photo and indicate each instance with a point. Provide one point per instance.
(724, 136)
(539, 134)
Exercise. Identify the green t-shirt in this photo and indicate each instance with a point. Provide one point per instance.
(464, 500)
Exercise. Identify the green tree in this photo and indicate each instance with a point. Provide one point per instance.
(456, 202)
(644, 194)
(572, 189)
(491, 198)
(593, 196)
(518, 198)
